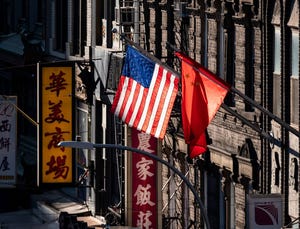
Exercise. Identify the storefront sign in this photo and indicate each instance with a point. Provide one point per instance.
(56, 123)
(8, 140)
(144, 196)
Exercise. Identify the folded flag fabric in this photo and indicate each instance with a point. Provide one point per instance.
(145, 94)
(202, 95)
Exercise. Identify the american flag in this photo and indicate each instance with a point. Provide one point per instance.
(145, 94)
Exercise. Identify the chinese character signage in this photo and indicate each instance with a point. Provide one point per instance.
(265, 211)
(8, 140)
(56, 123)
(144, 196)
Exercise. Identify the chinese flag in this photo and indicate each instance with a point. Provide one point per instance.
(202, 95)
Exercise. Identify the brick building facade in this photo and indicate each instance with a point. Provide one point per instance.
(237, 41)
(251, 44)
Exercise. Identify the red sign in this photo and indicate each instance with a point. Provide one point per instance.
(144, 196)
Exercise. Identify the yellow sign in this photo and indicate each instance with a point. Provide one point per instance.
(56, 124)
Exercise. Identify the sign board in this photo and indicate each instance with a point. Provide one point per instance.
(56, 117)
(144, 190)
(265, 211)
(8, 140)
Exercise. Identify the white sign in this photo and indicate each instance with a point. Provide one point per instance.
(265, 211)
(8, 140)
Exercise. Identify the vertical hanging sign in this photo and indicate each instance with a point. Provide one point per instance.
(56, 123)
(8, 140)
(144, 196)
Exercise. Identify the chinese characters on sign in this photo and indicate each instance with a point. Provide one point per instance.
(56, 116)
(144, 207)
(8, 140)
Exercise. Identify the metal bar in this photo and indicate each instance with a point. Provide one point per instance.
(173, 194)
(265, 111)
(254, 127)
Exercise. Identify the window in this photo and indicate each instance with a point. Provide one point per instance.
(4, 18)
(61, 22)
(229, 51)
(277, 51)
(76, 27)
(249, 58)
(222, 52)
(295, 54)
(10, 13)
(295, 77)
(293, 23)
(213, 200)
(276, 72)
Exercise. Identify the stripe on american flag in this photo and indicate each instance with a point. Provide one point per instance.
(147, 109)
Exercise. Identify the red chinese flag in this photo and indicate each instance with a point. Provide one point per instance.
(202, 95)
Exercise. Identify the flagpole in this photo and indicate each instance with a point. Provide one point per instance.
(151, 57)
(264, 110)
(251, 101)
(252, 126)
